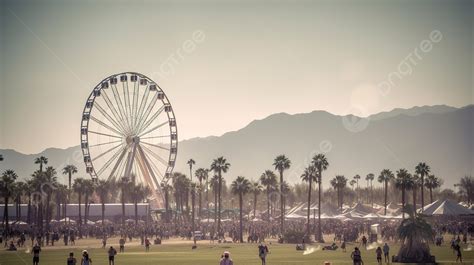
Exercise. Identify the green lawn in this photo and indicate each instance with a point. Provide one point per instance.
(181, 254)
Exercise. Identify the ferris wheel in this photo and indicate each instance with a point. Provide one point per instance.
(128, 130)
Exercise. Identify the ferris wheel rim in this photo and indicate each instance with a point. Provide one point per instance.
(171, 121)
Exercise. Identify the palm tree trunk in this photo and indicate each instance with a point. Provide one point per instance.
(220, 204)
(385, 196)
(403, 202)
(254, 204)
(268, 202)
(308, 227)
(414, 199)
(320, 233)
(422, 191)
(200, 197)
(241, 237)
(103, 213)
(5, 217)
(282, 208)
(215, 205)
(193, 202)
(431, 195)
(136, 212)
(79, 198)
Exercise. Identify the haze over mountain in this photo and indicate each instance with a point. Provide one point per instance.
(440, 135)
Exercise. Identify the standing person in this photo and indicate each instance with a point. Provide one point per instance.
(36, 252)
(378, 251)
(71, 260)
(364, 242)
(147, 244)
(386, 251)
(104, 241)
(226, 260)
(343, 246)
(122, 245)
(262, 253)
(356, 257)
(112, 252)
(86, 260)
(457, 248)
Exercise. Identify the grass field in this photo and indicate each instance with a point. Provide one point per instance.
(178, 252)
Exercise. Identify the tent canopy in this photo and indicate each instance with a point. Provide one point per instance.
(445, 208)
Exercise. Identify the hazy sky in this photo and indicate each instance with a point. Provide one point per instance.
(253, 59)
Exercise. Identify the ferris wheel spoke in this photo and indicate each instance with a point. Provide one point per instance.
(142, 106)
(148, 167)
(134, 102)
(145, 115)
(105, 134)
(105, 125)
(155, 145)
(150, 121)
(120, 106)
(126, 96)
(111, 106)
(110, 119)
(154, 128)
(109, 162)
(154, 155)
(113, 142)
(106, 152)
(129, 162)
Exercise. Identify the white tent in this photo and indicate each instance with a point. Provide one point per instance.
(294, 216)
(445, 208)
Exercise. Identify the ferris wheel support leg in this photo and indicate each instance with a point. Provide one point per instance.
(130, 158)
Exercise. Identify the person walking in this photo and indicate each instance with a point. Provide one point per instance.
(122, 245)
(71, 260)
(262, 253)
(226, 260)
(386, 252)
(112, 252)
(147, 244)
(86, 260)
(356, 257)
(457, 248)
(378, 252)
(36, 254)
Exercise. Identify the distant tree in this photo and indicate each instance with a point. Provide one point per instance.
(269, 181)
(219, 166)
(167, 188)
(191, 163)
(432, 182)
(321, 163)
(240, 187)
(356, 178)
(20, 189)
(422, 169)
(370, 178)
(41, 161)
(352, 183)
(339, 184)
(255, 189)
(201, 174)
(50, 182)
(416, 184)
(6, 189)
(78, 187)
(466, 189)
(281, 164)
(138, 193)
(102, 189)
(60, 193)
(385, 176)
(403, 182)
(309, 175)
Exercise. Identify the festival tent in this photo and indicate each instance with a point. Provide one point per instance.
(371, 216)
(445, 208)
(67, 220)
(106, 221)
(294, 216)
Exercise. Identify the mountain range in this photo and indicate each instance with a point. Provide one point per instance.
(441, 136)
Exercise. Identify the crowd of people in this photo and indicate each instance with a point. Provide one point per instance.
(356, 232)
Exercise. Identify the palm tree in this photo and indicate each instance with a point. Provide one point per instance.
(422, 169)
(255, 189)
(219, 166)
(281, 164)
(414, 234)
(193, 205)
(78, 187)
(48, 186)
(201, 174)
(321, 163)
(339, 184)
(69, 170)
(466, 189)
(102, 189)
(138, 193)
(415, 185)
(61, 197)
(403, 182)
(6, 188)
(370, 178)
(20, 189)
(269, 181)
(191, 162)
(309, 175)
(215, 188)
(357, 177)
(240, 187)
(385, 176)
(167, 188)
(124, 185)
(432, 182)
(41, 161)
(352, 183)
